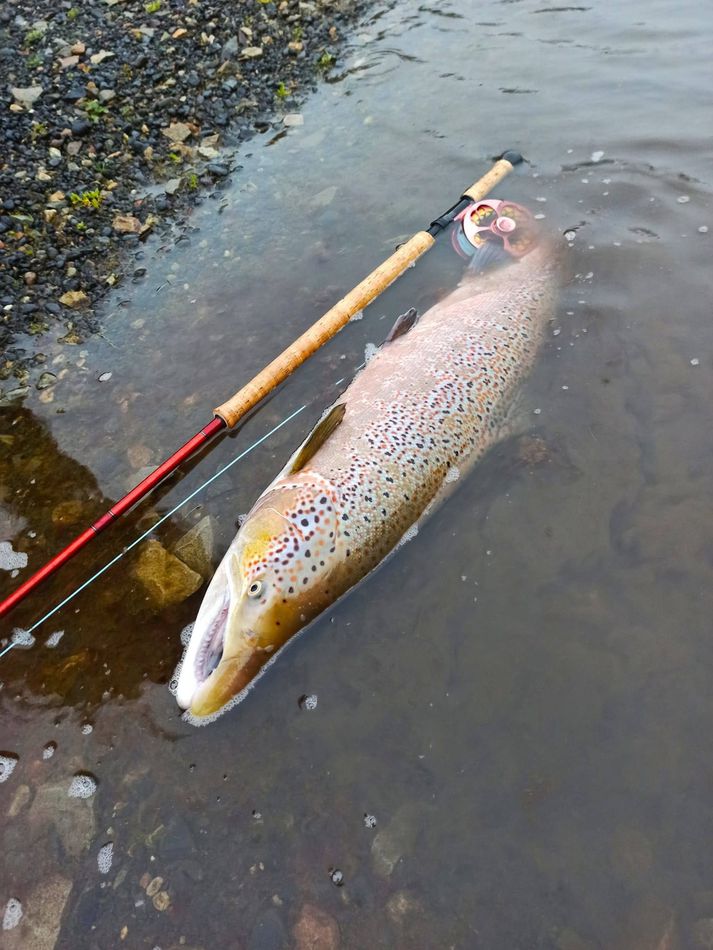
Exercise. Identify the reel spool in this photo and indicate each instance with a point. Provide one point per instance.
(493, 232)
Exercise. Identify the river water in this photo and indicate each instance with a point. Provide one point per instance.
(512, 745)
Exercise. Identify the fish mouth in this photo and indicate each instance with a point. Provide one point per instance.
(225, 682)
(209, 678)
(205, 649)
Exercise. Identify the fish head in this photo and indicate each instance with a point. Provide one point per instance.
(276, 576)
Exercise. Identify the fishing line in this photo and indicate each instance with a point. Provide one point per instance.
(142, 537)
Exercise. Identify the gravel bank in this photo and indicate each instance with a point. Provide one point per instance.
(116, 114)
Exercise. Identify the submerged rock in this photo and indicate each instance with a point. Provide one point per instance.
(38, 928)
(166, 579)
(72, 819)
(315, 930)
(390, 844)
(196, 547)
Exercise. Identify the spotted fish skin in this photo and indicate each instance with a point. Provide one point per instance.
(429, 403)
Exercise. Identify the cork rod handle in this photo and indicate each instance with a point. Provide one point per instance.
(233, 410)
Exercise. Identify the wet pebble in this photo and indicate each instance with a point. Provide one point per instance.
(315, 929)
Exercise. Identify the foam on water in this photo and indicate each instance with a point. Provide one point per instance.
(452, 475)
(186, 634)
(11, 560)
(105, 857)
(83, 785)
(8, 761)
(236, 700)
(13, 914)
(408, 535)
(54, 638)
(370, 351)
(22, 638)
(49, 750)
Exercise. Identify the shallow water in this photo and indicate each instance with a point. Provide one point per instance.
(520, 698)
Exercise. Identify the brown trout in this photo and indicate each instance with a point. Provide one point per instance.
(425, 408)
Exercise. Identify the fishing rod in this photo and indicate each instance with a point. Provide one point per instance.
(229, 413)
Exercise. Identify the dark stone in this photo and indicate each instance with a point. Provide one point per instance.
(217, 170)
(74, 94)
(81, 126)
(269, 932)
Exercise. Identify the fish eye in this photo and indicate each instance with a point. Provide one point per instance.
(255, 589)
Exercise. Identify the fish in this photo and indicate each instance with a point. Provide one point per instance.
(432, 400)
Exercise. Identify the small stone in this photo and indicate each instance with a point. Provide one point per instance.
(99, 57)
(81, 127)
(30, 278)
(19, 801)
(74, 299)
(46, 380)
(402, 905)
(126, 224)
(139, 455)
(27, 96)
(162, 901)
(78, 48)
(104, 377)
(251, 52)
(66, 62)
(293, 119)
(177, 132)
(166, 579)
(154, 886)
(315, 930)
(179, 33)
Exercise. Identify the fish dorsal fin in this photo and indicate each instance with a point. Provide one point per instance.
(317, 437)
(403, 325)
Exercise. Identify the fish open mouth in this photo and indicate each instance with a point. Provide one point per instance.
(204, 652)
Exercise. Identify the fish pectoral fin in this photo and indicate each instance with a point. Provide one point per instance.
(317, 437)
(403, 325)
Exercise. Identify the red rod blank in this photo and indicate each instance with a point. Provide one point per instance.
(121, 506)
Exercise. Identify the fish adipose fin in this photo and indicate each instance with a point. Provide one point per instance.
(317, 437)
(403, 325)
